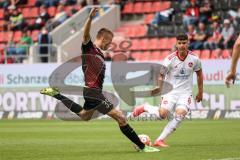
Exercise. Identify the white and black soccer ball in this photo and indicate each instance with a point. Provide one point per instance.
(145, 139)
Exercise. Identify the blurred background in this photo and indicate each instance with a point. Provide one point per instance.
(37, 36)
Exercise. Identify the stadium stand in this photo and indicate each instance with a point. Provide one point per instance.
(28, 13)
(155, 31)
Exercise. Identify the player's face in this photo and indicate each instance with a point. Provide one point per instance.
(106, 41)
(182, 45)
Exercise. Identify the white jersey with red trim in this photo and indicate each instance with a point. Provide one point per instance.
(180, 72)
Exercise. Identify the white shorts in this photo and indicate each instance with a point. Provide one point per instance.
(172, 102)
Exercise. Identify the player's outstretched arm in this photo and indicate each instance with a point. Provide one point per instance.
(87, 26)
(235, 56)
(200, 85)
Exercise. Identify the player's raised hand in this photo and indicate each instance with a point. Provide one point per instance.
(93, 13)
(230, 79)
(199, 97)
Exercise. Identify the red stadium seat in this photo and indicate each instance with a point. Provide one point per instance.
(145, 56)
(17, 36)
(35, 12)
(1, 13)
(226, 54)
(164, 54)
(148, 18)
(136, 56)
(9, 36)
(163, 43)
(169, 43)
(205, 54)
(2, 34)
(35, 35)
(52, 11)
(138, 7)
(214, 54)
(2, 46)
(26, 12)
(135, 44)
(140, 31)
(31, 3)
(165, 5)
(144, 44)
(153, 44)
(155, 56)
(172, 41)
(130, 31)
(30, 12)
(156, 6)
(128, 8)
(147, 7)
(197, 53)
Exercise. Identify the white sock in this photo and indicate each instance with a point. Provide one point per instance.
(152, 110)
(170, 127)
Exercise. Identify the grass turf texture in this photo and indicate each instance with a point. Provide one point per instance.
(102, 140)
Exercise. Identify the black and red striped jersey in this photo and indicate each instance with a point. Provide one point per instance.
(93, 65)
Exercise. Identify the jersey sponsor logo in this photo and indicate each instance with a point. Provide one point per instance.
(182, 75)
(182, 71)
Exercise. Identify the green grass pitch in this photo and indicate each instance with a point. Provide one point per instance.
(102, 140)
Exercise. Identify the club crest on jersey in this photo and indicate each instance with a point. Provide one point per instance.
(190, 64)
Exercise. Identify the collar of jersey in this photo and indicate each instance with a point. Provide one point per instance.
(182, 58)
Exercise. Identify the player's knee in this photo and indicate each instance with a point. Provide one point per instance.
(163, 114)
(122, 121)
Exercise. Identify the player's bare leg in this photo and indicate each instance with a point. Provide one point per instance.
(86, 115)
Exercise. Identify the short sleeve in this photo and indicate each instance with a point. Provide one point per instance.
(167, 63)
(87, 46)
(166, 66)
(197, 66)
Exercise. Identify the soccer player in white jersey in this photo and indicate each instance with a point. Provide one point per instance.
(181, 65)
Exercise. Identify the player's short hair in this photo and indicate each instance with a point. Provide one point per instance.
(102, 31)
(182, 37)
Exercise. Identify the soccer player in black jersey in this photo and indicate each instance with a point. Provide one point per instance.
(94, 71)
